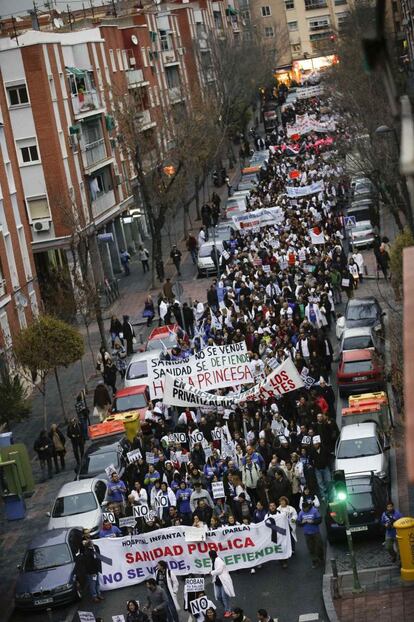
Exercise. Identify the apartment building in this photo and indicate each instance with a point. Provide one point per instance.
(19, 295)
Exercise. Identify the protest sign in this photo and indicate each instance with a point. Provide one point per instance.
(217, 488)
(108, 516)
(197, 436)
(214, 367)
(195, 584)
(179, 393)
(302, 191)
(266, 269)
(149, 457)
(195, 534)
(183, 458)
(132, 559)
(141, 511)
(177, 437)
(109, 470)
(216, 434)
(199, 605)
(127, 521)
(134, 455)
(119, 618)
(283, 379)
(258, 218)
(86, 616)
(161, 501)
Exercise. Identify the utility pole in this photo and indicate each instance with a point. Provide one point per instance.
(69, 17)
(114, 8)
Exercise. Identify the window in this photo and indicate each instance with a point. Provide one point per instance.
(266, 11)
(165, 41)
(29, 153)
(37, 208)
(320, 23)
(46, 557)
(18, 95)
(339, 2)
(315, 4)
(296, 47)
(173, 77)
(292, 25)
(341, 19)
(74, 504)
(119, 57)
(269, 32)
(289, 4)
(124, 60)
(112, 57)
(319, 36)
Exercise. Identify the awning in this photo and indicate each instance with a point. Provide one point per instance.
(75, 71)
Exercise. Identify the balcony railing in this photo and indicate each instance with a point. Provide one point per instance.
(95, 152)
(315, 4)
(103, 202)
(86, 102)
(145, 120)
(135, 77)
(169, 56)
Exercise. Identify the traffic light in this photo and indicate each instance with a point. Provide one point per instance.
(338, 507)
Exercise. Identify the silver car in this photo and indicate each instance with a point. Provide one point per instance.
(362, 448)
(205, 263)
(362, 234)
(137, 370)
(78, 504)
(360, 338)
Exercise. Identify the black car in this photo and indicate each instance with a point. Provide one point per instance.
(101, 454)
(367, 498)
(363, 312)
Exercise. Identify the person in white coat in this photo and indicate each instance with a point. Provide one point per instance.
(223, 584)
(289, 510)
(166, 579)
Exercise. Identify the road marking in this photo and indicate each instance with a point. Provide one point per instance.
(309, 617)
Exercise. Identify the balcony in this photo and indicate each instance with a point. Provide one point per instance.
(135, 78)
(313, 5)
(175, 94)
(94, 153)
(170, 57)
(102, 203)
(85, 104)
(203, 44)
(145, 121)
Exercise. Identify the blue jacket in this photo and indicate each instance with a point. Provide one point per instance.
(183, 500)
(309, 528)
(109, 533)
(388, 520)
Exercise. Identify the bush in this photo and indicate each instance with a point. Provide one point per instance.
(14, 403)
(402, 240)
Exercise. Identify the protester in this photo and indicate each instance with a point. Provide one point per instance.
(223, 584)
(310, 519)
(388, 519)
(129, 334)
(176, 258)
(143, 256)
(74, 433)
(157, 601)
(43, 446)
(166, 579)
(101, 402)
(87, 568)
(134, 613)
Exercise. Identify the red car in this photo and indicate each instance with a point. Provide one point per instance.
(360, 371)
(131, 399)
(166, 337)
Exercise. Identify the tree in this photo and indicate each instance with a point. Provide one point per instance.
(370, 140)
(15, 405)
(42, 347)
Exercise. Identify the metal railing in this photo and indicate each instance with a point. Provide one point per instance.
(95, 152)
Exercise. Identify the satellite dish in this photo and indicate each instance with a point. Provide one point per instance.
(134, 39)
(58, 22)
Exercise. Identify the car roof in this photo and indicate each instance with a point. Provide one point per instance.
(356, 355)
(162, 330)
(357, 332)
(368, 300)
(144, 356)
(103, 446)
(140, 388)
(211, 243)
(363, 223)
(77, 487)
(358, 430)
(49, 538)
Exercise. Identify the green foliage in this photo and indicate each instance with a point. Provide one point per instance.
(402, 240)
(14, 403)
(46, 344)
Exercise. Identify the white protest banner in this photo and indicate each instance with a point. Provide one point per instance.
(316, 236)
(132, 559)
(119, 618)
(127, 521)
(108, 516)
(109, 470)
(195, 584)
(305, 92)
(141, 511)
(179, 393)
(195, 534)
(134, 455)
(302, 191)
(199, 605)
(214, 367)
(161, 501)
(177, 437)
(283, 379)
(258, 218)
(86, 616)
(217, 488)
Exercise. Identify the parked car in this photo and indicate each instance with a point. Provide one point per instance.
(248, 182)
(360, 371)
(363, 187)
(360, 338)
(365, 209)
(235, 205)
(46, 576)
(165, 338)
(367, 498)
(360, 312)
(205, 264)
(79, 503)
(362, 449)
(221, 232)
(99, 455)
(362, 235)
(259, 157)
(137, 370)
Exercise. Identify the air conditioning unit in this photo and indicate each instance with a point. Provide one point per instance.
(41, 225)
(132, 60)
(118, 180)
(181, 51)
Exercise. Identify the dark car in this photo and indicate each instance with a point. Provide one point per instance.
(101, 454)
(360, 312)
(367, 497)
(46, 577)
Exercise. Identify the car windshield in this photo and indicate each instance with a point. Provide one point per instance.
(167, 341)
(359, 342)
(47, 557)
(136, 370)
(362, 227)
(361, 312)
(355, 367)
(358, 447)
(74, 504)
(360, 214)
(97, 462)
(360, 501)
(129, 402)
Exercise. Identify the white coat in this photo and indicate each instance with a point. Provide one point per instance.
(220, 570)
(292, 517)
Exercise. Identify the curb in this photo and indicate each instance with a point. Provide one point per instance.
(327, 599)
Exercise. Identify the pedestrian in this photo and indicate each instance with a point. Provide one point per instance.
(116, 491)
(110, 375)
(310, 519)
(388, 519)
(125, 259)
(82, 412)
(120, 359)
(134, 613)
(74, 433)
(223, 584)
(102, 359)
(88, 566)
(359, 260)
(115, 330)
(101, 402)
(192, 247)
(168, 581)
(58, 446)
(206, 215)
(188, 315)
(176, 257)
(237, 615)
(167, 290)
(292, 515)
(109, 530)
(263, 616)
(129, 334)
(143, 256)
(321, 460)
(44, 449)
(157, 601)
(149, 310)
